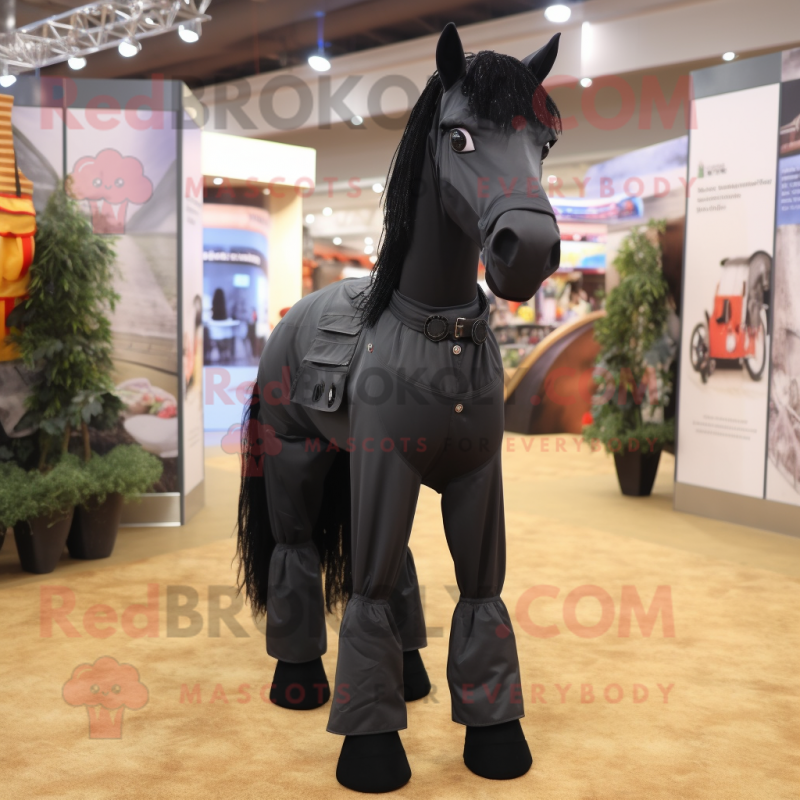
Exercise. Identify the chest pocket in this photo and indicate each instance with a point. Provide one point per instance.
(322, 376)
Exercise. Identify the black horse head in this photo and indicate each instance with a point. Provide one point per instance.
(475, 142)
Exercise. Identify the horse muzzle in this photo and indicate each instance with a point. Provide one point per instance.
(523, 248)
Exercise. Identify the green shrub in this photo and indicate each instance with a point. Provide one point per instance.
(128, 470)
(634, 351)
(25, 495)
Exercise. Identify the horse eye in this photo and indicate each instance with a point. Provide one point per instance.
(94, 689)
(119, 182)
(461, 141)
(545, 151)
(116, 688)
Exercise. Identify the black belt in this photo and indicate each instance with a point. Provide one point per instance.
(438, 327)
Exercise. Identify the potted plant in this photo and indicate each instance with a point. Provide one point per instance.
(63, 334)
(118, 476)
(39, 506)
(633, 364)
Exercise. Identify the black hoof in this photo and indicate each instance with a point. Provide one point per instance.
(498, 752)
(300, 686)
(373, 763)
(416, 683)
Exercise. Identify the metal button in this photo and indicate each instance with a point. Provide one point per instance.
(459, 408)
(456, 349)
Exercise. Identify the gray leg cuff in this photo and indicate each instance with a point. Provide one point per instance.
(295, 604)
(482, 664)
(368, 691)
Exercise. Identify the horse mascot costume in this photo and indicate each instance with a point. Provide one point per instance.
(371, 387)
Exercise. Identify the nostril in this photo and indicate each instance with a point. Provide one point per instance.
(505, 245)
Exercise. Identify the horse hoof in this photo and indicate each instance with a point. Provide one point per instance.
(373, 763)
(416, 683)
(300, 686)
(498, 752)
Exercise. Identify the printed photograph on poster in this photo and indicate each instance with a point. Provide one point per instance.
(790, 117)
(192, 303)
(129, 191)
(727, 297)
(235, 306)
(783, 467)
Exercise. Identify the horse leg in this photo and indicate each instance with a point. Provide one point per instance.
(368, 706)
(482, 666)
(296, 633)
(406, 605)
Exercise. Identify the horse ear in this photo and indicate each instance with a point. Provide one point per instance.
(541, 62)
(450, 59)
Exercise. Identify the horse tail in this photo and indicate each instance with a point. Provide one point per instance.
(331, 533)
(255, 541)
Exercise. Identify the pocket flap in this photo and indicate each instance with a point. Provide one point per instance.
(340, 323)
(330, 354)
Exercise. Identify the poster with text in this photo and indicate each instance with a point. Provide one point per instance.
(724, 375)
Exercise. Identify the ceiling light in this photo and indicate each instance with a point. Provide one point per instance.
(357, 120)
(217, 181)
(373, 259)
(77, 62)
(367, 240)
(552, 179)
(128, 48)
(265, 190)
(377, 188)
(319, 63)
(369, 249)
(586, 82)
(309, 219)
(327, 211)
(557, 13)
(6, 79)
(337, 240)
(729, 56)
(190, 31)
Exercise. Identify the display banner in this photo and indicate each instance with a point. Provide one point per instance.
(730, 229)
(192, 307)
(235, 307)
(783, 451)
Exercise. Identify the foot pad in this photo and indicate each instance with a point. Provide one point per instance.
(416, 683)
(498, 752)
(300, 686)
(373, 763)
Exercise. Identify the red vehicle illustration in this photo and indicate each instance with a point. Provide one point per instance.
(737, 328)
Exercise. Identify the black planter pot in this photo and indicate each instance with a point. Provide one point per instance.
(94, 528)
(636, 472)
(40, 541)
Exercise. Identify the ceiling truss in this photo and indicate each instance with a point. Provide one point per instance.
(92, 28)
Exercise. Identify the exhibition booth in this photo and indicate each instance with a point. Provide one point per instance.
(503, 466)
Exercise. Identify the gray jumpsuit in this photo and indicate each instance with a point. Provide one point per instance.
(409, 411)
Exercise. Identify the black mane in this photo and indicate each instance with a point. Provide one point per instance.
(499, 88)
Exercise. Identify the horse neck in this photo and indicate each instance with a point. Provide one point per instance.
(441, 266)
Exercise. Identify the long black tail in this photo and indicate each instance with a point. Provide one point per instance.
(255, 539)
(331, 533)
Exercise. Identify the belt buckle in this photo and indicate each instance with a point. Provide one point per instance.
(458, 330)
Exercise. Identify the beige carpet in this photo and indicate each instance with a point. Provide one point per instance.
(727, 728)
